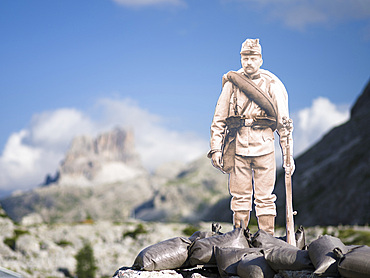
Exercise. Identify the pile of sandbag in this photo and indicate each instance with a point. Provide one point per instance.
(238, 252)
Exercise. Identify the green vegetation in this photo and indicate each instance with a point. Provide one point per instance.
(64, 243)
(353, 237)
(3, 214)
(11, 241)
(140, 229)
(190, 229)
(88, 220)
(86, 264)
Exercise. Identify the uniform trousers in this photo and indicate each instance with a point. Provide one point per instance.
(253, 174)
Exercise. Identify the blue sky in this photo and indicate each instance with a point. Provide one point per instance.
(72, 67)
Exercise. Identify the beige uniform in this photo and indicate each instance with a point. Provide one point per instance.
(252, 148)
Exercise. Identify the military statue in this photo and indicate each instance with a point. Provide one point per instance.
(253, 105)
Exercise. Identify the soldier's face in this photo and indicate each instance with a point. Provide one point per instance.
(251, 63)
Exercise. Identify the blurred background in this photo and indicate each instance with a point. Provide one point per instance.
(105, 113)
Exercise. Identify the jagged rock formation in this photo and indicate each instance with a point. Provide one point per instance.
(332, 179)
(110, 157)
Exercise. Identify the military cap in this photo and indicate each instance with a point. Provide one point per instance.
(251, 46)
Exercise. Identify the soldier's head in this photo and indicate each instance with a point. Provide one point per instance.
(251, 56)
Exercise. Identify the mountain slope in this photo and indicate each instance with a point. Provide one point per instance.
(100, 178)
(188, 196)
(331, 184)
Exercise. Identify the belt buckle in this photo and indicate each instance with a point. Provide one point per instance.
(248, 122)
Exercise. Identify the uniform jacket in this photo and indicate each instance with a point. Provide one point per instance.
(250, 141)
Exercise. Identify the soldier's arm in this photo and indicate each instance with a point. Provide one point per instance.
(218, 126)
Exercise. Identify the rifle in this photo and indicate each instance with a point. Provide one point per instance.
(290, 235)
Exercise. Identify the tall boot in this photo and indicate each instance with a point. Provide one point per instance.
(241, 215)
(267, 223)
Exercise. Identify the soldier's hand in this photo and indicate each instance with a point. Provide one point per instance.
(217, 160)
(292, 165)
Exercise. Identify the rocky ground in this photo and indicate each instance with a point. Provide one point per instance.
(48, 250)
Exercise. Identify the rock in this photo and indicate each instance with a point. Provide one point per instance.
(32, 219)
(126, 272)
(6, 228)
(28, 245)
(109, 158)
(294, 274)
(130, 273)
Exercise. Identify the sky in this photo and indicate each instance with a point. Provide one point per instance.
(70, 68)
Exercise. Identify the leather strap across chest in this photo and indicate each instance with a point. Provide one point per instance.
(253, 92)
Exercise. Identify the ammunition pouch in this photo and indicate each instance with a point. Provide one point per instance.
(234, 122)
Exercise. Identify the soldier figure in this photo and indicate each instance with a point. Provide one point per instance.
(250, 108)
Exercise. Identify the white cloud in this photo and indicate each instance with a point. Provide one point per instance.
(300, 14)
(33, 152)
(155, 143)
(143, 3)
(54, 129)
(37, 150)
(311, 123)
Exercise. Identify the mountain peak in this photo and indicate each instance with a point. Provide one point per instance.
(361, 107)
(110, 157)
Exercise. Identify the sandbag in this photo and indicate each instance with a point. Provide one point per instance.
(300, 238)
(216, 227)
(262, 239)
(355, 263)
(201, 252)
(254, 266)
(200, 235)
(287, 258)
(227, 258)
(322, 255)
(169, 254)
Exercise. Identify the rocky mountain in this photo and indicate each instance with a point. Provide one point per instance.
(100, 178)
(109, 158)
